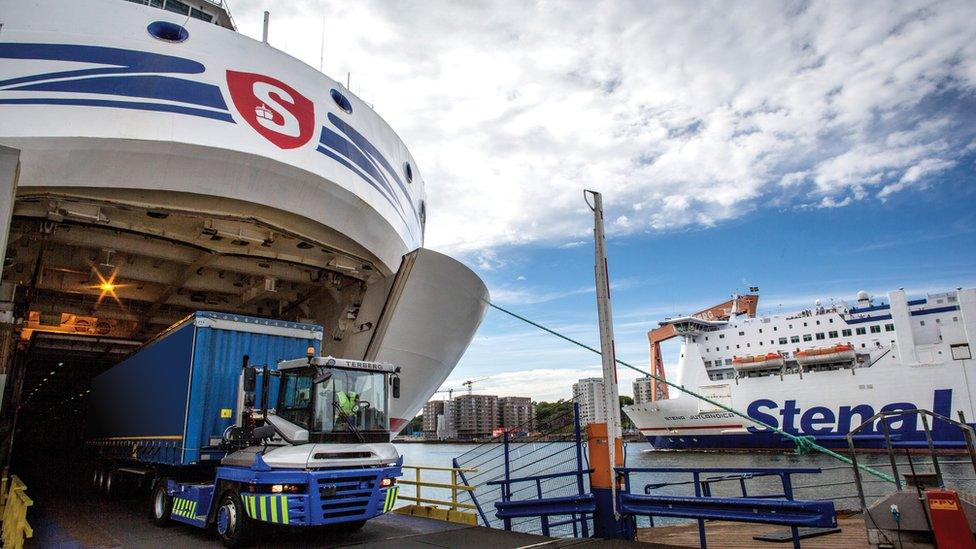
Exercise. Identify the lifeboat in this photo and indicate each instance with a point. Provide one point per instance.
(824, 355)
(768, 361)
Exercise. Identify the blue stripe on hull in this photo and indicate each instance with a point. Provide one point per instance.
(773, 441)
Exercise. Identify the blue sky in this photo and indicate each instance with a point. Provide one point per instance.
(810, 148)
(922, 241)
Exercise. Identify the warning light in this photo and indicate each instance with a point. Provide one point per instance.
(310, 352)
(387, 482)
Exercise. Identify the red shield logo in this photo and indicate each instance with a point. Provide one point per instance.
(278, 112)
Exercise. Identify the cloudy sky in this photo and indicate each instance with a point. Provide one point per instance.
(811, 148)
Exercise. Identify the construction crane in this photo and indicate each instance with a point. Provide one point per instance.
(738, 305)
(471, 382)
(450, 393)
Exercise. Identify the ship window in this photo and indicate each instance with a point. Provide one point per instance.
(747, 344)
(791, 326)
(832, 333)
(818, 323)
(807, 337)
(708, 363)
(728, 362)
(875, 329)
(721, 336)
(176, 6)
(408, 172)
(960, 351)
(820, 335)
(736, 345)
(889, 327)
(845, 333)
(168, 32)
(830, 320)
(782, 341)
(955, 319)
(774, 328)
(742, 333)
(197, 14)
(341, 100)
(804, 324)
(921, 323)
(794, 339)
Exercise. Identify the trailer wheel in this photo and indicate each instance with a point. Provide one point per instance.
(161, 505)
(110, 486)
(95, 480)
(232, 524)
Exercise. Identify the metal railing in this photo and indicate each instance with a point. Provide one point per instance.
(454, 486)
(14, 504)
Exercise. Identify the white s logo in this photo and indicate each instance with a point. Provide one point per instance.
(289, 125)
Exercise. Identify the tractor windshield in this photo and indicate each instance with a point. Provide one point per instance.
(347, 401)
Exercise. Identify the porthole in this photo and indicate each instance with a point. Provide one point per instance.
(341, 100)
(408, 171)
(168, 32)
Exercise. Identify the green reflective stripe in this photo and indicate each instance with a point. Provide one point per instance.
(179, 506)
(274, 508)
(264, 507)
(254, 507)
(396, 492)
(193, 509)
(284, 509)
(250, 506)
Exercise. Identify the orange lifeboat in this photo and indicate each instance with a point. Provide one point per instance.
(843, 352)
(768, 361)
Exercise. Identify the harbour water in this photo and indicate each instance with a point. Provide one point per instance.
(835, 482)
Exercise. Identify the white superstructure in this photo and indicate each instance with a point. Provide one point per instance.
(818, 371)
(157, 156)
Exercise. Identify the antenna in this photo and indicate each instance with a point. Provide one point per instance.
(267, 18)
(322, 48)
(348, 77)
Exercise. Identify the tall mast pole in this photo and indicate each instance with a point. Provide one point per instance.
(607, 350)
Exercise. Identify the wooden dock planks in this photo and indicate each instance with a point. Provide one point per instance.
(736, 535)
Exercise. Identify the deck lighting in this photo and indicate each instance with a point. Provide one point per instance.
(107, 286)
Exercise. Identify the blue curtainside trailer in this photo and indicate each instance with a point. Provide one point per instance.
(172, 400)
(230, 421)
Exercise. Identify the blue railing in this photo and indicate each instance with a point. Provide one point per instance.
(770, 508)
(577, 506)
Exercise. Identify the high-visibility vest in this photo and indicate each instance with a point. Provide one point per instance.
(347, 401)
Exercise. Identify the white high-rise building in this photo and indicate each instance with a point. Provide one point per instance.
(642, 390)
(588, 393)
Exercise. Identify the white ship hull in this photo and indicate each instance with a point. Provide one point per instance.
(828, 403)
(214, 173)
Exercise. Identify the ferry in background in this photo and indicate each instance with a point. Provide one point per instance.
(817, 372)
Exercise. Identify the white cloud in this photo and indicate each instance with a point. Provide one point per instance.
(681, 113)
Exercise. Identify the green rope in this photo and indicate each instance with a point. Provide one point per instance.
(804, 444)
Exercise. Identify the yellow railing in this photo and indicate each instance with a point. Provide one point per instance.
(14, 504)
(454, 486)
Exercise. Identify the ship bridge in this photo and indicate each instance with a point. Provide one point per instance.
(692, 325)
(154, 164)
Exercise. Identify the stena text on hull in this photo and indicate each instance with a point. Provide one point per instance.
(819, 373)
(154, 149)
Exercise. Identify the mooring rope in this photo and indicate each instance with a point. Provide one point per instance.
(804, 444)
